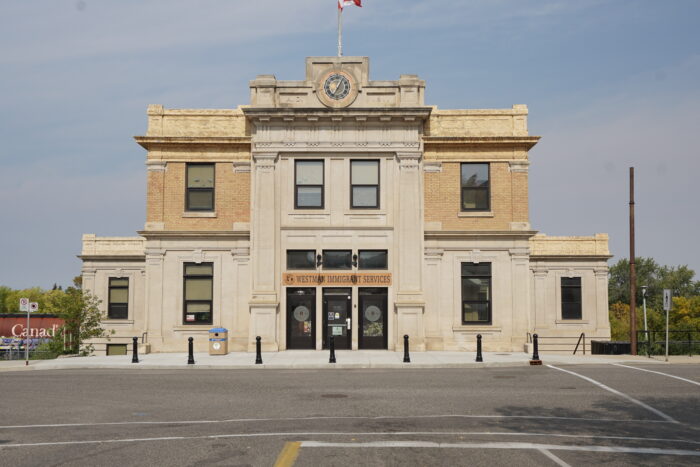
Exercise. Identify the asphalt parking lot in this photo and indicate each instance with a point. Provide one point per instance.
(631, 414)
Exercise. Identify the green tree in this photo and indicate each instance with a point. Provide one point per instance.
(680, 279)
(81, 314)
(4, 292)
(34, 294)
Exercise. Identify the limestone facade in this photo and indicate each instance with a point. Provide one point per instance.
(337, 119)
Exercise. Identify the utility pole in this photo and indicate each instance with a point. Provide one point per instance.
(633, 273)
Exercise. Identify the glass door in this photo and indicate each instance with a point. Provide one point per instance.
(337, 318)
(373, 318)
(301, 318)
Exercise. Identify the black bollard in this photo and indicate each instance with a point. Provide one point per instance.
(190, 345)
(535, 354)
(258, 351)
(406, 357)
(332, 346)
(479, 358)
(135, 351)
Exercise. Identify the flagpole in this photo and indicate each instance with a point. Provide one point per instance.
(340, 32)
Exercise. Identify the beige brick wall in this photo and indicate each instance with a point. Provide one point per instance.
(509, 202)
(232, 199)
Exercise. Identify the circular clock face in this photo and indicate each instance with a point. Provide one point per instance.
(337, 86)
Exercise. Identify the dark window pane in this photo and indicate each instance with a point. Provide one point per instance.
(200, 200)
(571, 282)
(337, 259)
(476, 269)
(571, 311)
(475, 312)
(372, 259)
(475, 198)
(118, 311)
(364, 197)
(309, 197)
(474, 289)
(571, 294)
(301, 259)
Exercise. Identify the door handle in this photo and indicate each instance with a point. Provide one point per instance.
(348, 321)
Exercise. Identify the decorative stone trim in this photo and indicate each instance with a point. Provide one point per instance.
(475, 213)
(156, 166)
(519, 166)
(241, 167)
(198, 214)
(432, 167)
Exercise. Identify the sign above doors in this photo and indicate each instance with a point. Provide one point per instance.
(371, 279)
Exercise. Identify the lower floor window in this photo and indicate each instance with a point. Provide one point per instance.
(476, 293)
(198, 287)
(571, 298)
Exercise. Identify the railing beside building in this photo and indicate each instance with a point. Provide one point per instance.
(680, 342)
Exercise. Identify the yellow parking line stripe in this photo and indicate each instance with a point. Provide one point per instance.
(288, 455)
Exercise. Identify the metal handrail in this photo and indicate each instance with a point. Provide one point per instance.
(582, 336)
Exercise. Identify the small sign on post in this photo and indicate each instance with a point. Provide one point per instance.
(24, 304)
(33, 306)
(667, 299)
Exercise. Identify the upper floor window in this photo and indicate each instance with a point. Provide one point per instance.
(200, 187)
(301, 259)
(476, 293)
(364, 184)
(308, 184)
(198, 292)
(372, 259)
(337, 259)
(475, 187)
(571, 298)
(118, 307)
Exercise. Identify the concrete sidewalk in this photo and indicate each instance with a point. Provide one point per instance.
(316, 359)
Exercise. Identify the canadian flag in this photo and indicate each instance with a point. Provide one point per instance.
(344, 3)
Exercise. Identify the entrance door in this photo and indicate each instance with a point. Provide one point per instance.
(337, 317)
(373, 318)
(301, 318)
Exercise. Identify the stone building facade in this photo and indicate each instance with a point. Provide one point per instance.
(343, 206)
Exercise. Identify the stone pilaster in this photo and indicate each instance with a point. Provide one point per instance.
(540, 312)
(410, 301)
(264, 302)
(520, 268)
(154, 295)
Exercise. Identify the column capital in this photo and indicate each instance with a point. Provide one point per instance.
(156, 166)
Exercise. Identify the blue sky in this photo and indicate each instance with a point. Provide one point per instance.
(609, 84)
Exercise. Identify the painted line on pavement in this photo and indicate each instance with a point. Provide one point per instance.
(288, 455)
(345, 433)
(658, 373)
(538, 447)
(621, 394)
(554, 458)
(350, 417)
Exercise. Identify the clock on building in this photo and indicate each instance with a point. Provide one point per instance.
(337, 89)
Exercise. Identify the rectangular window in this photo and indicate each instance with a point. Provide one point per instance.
(372, 259)
(118, 298)
(308, 184)
(475, 187)
(200, 187)
(198, 291)
(476, 293)
(364, 184)
(301, 259)
(571, 298)
(337, 259)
